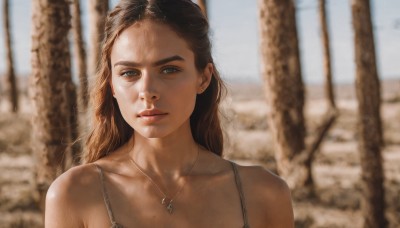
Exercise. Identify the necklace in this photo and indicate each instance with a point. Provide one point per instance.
(166, 201)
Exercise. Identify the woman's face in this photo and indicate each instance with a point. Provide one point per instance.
(154, 79)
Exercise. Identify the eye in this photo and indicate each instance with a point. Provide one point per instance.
(170, 70)
(130, 73)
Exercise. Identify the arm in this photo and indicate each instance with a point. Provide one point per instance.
(62, 207)
(268, 198)
(281, 215)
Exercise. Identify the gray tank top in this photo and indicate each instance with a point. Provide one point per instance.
(114, 224)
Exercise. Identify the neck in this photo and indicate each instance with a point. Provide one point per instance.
(170, 157)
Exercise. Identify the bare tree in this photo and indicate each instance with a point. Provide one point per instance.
(83, 96)
(327, 54)
(10, 80)
(203, 6)
(50, 59)
(331, 114)
(80, 54)
(284, 86)
(370, 126)
(285, 93)
(73, 128)
(98, 12)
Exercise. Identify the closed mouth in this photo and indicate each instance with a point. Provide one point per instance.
(151, 113)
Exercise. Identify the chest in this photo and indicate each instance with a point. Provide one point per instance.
(199, 204)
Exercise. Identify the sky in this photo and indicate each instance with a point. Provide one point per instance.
(234, 34)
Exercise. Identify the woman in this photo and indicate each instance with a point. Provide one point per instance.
(154, 155)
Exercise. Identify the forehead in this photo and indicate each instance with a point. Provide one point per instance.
(148, 40)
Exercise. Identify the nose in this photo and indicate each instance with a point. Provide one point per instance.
(148, 91)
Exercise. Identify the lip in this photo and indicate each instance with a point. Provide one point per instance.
(151, 115)
(151, 112)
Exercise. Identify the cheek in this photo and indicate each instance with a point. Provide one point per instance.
(122, 91)
(186, 98)
(125, 97)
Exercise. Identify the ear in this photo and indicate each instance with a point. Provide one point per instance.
(205, 78)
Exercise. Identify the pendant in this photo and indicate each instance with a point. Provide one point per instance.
(169, 206)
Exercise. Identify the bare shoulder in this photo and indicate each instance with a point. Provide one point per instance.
(70, 195)
(75, 177)
(267, 196)
(257, 177)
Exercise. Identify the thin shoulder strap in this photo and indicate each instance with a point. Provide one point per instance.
(241, 195)
(106, 198)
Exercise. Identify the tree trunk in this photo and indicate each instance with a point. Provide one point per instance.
(331, 114)
(73, 128)
(327, 54)
(80, 55)
(80, 58)
(10, 80)
(98, 12)
(50, 59)
(283, 83)
(285, 94)
(370, 127)
(203, 6)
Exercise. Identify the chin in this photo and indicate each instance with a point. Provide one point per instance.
(152, 133)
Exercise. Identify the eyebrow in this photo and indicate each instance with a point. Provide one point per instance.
(157, 63)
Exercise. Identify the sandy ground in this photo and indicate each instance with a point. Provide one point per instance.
(336, 169)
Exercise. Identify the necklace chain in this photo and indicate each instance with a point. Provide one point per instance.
(166, 201)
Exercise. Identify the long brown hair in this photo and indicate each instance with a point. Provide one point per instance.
(109, 129)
